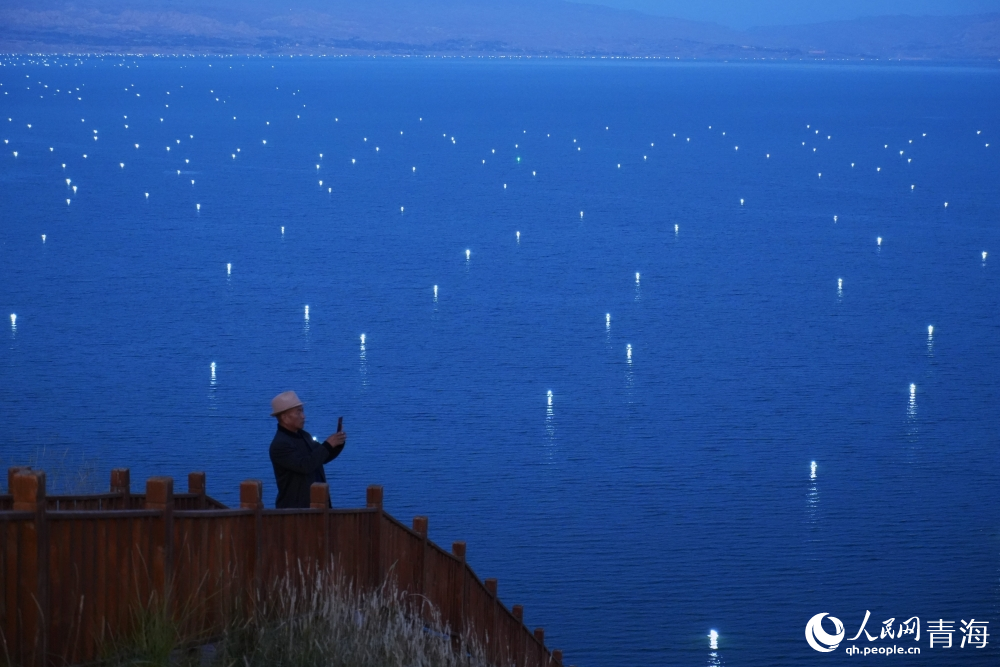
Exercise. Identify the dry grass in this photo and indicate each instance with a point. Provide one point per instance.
(66, 472)
(304, 621)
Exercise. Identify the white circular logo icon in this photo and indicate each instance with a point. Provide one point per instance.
(819, 638)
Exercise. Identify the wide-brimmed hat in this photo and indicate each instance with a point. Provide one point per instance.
(286, 400)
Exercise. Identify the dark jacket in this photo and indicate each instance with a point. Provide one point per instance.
(298, 461)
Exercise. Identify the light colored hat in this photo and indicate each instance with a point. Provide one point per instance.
(286, 400)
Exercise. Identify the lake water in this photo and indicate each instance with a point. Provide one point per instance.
(743, 445)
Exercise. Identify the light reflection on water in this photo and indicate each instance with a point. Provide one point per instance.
(363, 363)
(912, 424)
(212, 398)
(305, 327)
(629, 376)
(550, 421)
(713, 647)
(812, 495)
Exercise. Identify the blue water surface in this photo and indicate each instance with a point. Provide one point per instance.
(741, 446)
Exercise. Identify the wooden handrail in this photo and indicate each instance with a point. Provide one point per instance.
(78, 561)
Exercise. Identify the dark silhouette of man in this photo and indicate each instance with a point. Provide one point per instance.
(297, 457)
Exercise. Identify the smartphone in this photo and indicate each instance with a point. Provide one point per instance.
(340, 424)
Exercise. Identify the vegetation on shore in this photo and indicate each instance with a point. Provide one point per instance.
(304, 621)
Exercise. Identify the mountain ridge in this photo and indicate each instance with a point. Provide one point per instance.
(442, 27)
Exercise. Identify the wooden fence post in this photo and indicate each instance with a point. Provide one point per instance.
(458, 551)
(420, 528)
(252, 498)
(319, 499)
(160, 497)
(196, 485)
(122, 483)
(540, 638)
(373, 499)
(521, 643)
(28, 491)
(11, 472)
(557, 656)
(491, 631)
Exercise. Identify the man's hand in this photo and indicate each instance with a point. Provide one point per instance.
(337, 439)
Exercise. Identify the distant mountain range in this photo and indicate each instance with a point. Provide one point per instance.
(470, 27)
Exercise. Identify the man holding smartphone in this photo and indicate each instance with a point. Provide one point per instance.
(297, 457)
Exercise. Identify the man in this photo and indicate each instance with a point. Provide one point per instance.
(297, 457)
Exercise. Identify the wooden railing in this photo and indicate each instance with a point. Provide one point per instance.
(72, 568)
